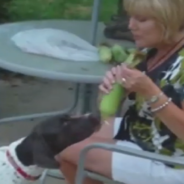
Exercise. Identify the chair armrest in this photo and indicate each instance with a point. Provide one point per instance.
(133, 152)
(124, 150)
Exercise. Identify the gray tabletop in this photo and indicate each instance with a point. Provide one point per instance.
(13, 59)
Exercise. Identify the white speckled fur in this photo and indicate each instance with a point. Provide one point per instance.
(8, 175)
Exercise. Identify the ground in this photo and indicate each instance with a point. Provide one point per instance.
(29, 97)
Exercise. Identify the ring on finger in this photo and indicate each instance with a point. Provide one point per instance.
(123, 80)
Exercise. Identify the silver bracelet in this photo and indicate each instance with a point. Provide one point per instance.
(161, 106)
(154, 98)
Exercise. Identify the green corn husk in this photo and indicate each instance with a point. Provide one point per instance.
(105, 54)
(119, 53)
(110, 103)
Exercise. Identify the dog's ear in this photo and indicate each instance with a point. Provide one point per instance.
(42, 156)
(47, 141)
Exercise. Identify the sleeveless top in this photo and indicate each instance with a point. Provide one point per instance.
(139, 125)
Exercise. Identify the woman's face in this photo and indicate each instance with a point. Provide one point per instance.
(145, 31)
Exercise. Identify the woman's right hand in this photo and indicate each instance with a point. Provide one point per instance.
(112, 76)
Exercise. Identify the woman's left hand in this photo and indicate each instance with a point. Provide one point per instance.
(136, 81)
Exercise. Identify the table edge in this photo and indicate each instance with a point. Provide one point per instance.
(49, 74)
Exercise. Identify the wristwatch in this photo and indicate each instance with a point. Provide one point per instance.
(154, 99)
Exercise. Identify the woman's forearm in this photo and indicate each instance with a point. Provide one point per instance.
(173, 118)
(171, 115)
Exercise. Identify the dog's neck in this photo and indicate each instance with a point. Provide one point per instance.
(24, 151)
(22, 155)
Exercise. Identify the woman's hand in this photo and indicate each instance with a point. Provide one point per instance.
(112, 76)
(136, 81)
(132, 80)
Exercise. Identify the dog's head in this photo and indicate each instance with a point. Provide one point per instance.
(55, 134)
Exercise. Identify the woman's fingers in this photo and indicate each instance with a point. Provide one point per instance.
(106, 86)
(114, 71)
(126, 71)
(103, 89)
(108, 81)
(118, 74)
(110, 75)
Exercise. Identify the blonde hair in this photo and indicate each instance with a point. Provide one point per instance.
(169, 14)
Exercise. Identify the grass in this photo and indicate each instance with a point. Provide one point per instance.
(20, 10)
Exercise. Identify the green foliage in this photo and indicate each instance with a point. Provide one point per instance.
(19, 10)
(4, 16)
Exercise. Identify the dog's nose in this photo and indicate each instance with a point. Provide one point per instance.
(97, 116)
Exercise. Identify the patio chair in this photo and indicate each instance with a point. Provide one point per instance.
(53, 173)
(82, 173)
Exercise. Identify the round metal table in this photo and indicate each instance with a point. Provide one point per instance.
(87, 73)
(12, 58)
(49, 68)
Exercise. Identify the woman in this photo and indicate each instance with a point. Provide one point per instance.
(155, 120)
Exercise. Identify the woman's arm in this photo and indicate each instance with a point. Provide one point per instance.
(171, 115)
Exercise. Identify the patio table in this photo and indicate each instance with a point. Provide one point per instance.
(81, 73)
(86, 73)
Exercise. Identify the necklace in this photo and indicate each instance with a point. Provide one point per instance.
(153, 63)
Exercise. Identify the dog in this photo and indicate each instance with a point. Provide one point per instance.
(24, 161)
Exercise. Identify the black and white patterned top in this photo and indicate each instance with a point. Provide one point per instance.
(138, 124)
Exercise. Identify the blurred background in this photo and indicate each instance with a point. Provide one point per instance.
(20, 10)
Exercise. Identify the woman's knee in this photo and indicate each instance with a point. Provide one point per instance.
(72, 153)
(107, 130)
(97, 160)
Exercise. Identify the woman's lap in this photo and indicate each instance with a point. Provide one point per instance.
(121, 167)
(134, 170)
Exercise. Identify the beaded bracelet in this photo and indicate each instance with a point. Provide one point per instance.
(154, 98)
(161, 106)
